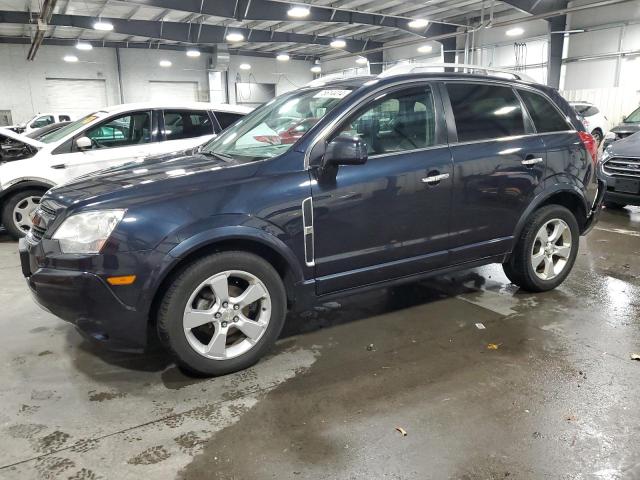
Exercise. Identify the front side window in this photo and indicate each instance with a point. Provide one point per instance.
(483, 112)
(42, 121)
(122, 131)
(272, 129)
(545, 116)
(399, 121)
(186, 124)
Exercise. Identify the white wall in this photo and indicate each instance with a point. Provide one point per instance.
(22, 83)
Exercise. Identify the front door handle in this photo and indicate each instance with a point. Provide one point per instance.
(529, 162)
(435, 179)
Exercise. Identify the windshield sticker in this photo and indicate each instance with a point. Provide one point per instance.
(332, 94)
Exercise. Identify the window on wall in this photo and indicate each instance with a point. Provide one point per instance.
(545, 116)
(186, 124)
(483, 112)
(400, 121)
(122, 131)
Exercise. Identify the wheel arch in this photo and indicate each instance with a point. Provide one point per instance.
(23, 185)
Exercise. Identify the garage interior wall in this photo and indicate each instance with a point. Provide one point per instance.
(139, 72)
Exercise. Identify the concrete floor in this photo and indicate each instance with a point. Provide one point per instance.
(559, 398)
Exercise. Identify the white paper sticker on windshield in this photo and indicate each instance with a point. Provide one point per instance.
(332, 94)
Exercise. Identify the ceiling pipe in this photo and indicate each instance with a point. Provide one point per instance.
(41, 28)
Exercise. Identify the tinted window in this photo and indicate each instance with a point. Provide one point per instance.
(65, 118)
(403, 120)
(227, 118)
(585, 110)
(42, 121)
(485, 111)
(186, 124)
(128, 129)
(545, 116)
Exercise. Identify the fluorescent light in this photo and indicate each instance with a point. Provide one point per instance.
(235, 37)
(165, 63)
(192, 52)
(84, 46)
(244, 66)
(514, 32)
(418, 23)
(338, 43)
(362, 61)
(298, 11)
(104, 26)
(425, 48)
(316, 69)
(283, 57)
(70, 58)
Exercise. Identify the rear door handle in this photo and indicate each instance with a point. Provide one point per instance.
(435, 179)
(532, 161)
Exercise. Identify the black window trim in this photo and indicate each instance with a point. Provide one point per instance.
(553, 104)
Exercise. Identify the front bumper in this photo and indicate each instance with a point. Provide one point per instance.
(86, 300)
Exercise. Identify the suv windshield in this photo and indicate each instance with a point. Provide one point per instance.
(274, 128)
(56, 135)
(633, 117)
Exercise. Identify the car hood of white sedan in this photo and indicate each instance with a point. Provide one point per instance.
(20, 138)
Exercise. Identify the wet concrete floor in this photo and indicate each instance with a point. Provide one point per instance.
(557, 397)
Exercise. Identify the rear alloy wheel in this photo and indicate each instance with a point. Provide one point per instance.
(16, 214)
(222, 313)
(545, 251)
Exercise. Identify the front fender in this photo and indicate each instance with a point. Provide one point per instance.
(22, 183)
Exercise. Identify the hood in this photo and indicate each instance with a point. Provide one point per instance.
(626, 128)
(162, 176)
(20, 138)
(627, 147)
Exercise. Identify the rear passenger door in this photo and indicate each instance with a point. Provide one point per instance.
(183, 129)
(499, 164)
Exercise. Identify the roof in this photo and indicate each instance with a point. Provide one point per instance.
(222, 107)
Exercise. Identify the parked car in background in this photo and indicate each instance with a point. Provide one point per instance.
(592, 118)
(397, 178)
(109, 137)
(40, 120)
(630, 125)
(621, 168)
(41, 132)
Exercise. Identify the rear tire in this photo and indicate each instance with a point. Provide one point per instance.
(222, 313)
(16, 210)
(545, 251)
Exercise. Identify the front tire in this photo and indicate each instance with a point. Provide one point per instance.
(222, 313)
(545, 251)
(17, 209)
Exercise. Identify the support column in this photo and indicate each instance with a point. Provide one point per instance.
(556, 43)
(375, 62)
(449, 49)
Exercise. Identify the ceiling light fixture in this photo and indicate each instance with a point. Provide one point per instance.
(425, 48)
(235, 37)
(283, 57)
(298, 11)
(244, 66)
(192, 52)
(70, 58)
(515, 32)
(165, 63)
(84, 46)
(418, 23)
(102, 25)
(338, 43)
(316, 69)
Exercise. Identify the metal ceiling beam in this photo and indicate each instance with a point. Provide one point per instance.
(185, 32)
(536, 7)
(70, 42)
(276, 10)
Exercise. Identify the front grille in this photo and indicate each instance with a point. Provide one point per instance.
(622, 167)
(44, 216)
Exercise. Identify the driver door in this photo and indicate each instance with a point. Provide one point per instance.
(385, 219)
(117, 140)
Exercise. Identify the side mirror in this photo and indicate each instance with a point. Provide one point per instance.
(345, 150)
(83, 143)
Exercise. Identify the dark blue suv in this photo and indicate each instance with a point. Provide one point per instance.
(324, 191)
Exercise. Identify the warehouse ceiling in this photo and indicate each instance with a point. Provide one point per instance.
(265, 25)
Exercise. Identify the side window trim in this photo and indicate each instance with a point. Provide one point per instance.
(529, 125)
(217, 128)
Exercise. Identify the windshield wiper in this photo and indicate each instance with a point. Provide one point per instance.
(218, 156)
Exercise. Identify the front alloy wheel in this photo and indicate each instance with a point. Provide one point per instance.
(17, 210)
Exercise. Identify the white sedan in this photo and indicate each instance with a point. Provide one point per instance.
(592, 118)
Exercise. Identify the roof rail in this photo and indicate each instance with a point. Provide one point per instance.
(343, 75)
(419, 67)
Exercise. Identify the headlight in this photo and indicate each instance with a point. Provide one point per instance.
(87, 232)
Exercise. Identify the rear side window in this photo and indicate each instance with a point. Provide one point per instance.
(545, 116)
(227, 118)
(586, 110)
(484, 112)
(65, 118)
(186, 124)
